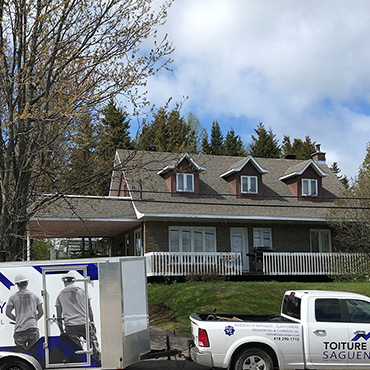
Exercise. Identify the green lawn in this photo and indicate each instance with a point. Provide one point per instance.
(171, 304)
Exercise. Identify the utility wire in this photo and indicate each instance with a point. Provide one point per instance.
(249, 195)
(247, 205)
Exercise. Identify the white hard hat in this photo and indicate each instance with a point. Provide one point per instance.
(20, 278)
(70, 276)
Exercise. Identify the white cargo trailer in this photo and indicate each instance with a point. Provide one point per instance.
(73, 314)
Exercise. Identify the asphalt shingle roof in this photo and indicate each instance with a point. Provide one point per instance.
(152, 197)
(88, 208)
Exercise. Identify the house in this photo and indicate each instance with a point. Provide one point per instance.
(190, 213)
(205, 204)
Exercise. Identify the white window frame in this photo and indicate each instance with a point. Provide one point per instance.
(185, 182)
(249, 178)
(310, 189)
(321, 231)
(261, 230)
(192, 229)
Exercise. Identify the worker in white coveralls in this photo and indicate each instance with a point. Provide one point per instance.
(71, 313)
(28, 310)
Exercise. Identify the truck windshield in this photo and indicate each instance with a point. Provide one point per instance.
(292, 306)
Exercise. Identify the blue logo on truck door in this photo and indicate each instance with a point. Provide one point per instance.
(358, 336)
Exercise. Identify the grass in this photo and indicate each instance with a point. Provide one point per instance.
(171, 304)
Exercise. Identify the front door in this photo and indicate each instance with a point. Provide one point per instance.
(239, 244)
(66, 303)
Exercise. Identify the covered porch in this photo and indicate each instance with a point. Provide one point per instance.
(76, 218)
(266, 264)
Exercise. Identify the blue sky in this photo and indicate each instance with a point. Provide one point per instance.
(302, 67)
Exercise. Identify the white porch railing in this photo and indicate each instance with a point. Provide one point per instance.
(182, 264)
(295, 263)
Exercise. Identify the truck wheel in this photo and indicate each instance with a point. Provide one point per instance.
(253, 359)
(15, 364)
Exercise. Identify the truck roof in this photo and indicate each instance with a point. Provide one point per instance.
(323, 293)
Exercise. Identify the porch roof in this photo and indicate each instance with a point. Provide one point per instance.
(83, 216)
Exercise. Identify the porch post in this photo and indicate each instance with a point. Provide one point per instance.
(28, 245)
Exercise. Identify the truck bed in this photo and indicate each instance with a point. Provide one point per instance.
(245, 317)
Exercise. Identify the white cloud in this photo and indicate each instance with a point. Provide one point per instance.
(299, 66)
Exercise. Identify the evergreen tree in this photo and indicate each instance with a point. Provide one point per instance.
(205, 146)
(83, 160)
(193, 122)
(168, 132)
(40, 249)
(115, 128)
(217, 146)
(234, 144)
(265, 144)
(342, 178)
(301, 149)
(182, 136)
(364, 171)
(286, 147)
(113, 134)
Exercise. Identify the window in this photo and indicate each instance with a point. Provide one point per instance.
(262, 238)
(292, 306)
(192, 239)
(185, 182)
(309, 188)
(249, 184)
(320, 241)
(359, 311)
(327, 310)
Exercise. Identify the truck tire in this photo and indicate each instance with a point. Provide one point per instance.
(15, 364)
(253, 359)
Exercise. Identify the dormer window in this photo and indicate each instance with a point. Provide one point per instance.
(249, 184)
(309, 188)
(182, 176)
(245, 178)
(185, 182)
(305, 180)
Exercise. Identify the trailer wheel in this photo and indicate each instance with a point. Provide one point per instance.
(253, 359)
(15, 364)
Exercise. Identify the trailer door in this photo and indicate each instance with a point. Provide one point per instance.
(67, 310)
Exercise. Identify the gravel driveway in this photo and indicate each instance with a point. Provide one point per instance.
(158, 341)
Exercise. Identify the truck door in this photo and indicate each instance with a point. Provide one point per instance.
(358, 352)
(327, 334)
(66, 303)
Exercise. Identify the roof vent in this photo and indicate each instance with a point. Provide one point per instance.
(151, 148)
(290, 156)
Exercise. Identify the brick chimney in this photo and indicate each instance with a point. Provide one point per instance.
(319, 156)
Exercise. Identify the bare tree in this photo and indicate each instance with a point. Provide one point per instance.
(58, 60)
(351, 221)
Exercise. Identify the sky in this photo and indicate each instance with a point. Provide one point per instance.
(302, 67)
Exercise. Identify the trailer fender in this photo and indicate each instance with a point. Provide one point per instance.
(6, 356)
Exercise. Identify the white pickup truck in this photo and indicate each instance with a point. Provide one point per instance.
(315, 330)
